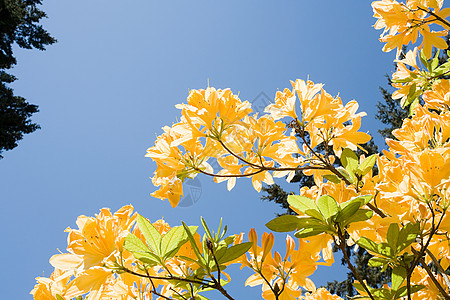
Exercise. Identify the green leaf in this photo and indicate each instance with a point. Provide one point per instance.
(140, 250)
(205, 226)
(392, 235)
(424, 60)
(367, 165)
(414, 102)
(386, 250)
(346, 175)
(375, 262)
(407, 236)
(327, 206)
(133, 244)
(368, 244)
(150, 233)
(287, 223)
(361, 200)
(220, 251)
(435, 61)
(311, 231)
(398, 276)
(147, 258)
(283, 223)
(201, 260)
(235, 251)
(58, 297)
(333, 178)
(382, 293)
(359, 216)
(305, 205)
(349, 160)
(403, 291)
(348, 211)
(173, 240)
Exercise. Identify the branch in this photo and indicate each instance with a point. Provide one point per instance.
(440, 269)
(435, 15)
(431, 275)
(342, 245)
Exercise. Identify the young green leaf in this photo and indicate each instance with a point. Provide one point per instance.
(234, 252)
(133, 244)
(283, 223)
(150, 233)
(359, 216)
(348, 211)
(333, 178)
(349, 160)
(368, 244)
(392, 235)
(173, 240)
(201, 260)
(367, 165)
(287, 223)
(407, 236)
(378, 262)
(147, 258)
(205, 226)
(403, 291)
(350, 177)
(398, 276)
(327, 206)
(311, 231)
(305, 205)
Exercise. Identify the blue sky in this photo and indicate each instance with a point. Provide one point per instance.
(112, 81)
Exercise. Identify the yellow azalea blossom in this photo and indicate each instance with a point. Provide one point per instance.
(290, 273)
(430, 171)
(306, 91)
(92, 281)
(420, 276)
(438, 97)
(171, 189)
(284, 105)
(231, 166)
(96, 240)
(209, 109)
(349, 137)
(48, 288)
(403, 22)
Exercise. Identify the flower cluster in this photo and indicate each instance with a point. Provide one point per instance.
(398, 210)
(403, 22)
(216, 126)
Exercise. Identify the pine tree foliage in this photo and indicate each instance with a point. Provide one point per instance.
(19, 24)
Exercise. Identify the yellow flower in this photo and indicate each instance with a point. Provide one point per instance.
(284, 105)
(96, 240)
(438, 97)
(231, 166)
(93, 281)
(48, 288)
(171, 189)
(403, 22)
(209, 109)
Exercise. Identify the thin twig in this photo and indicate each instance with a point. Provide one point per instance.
(435, 15)
(431, 275)
(343, 246)
(438, 265)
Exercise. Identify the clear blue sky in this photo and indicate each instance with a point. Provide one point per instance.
(111, 82)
